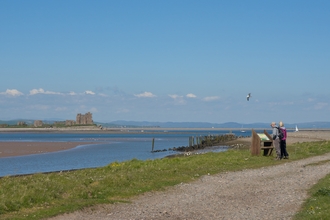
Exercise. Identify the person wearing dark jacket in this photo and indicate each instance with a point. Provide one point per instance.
(284, 153)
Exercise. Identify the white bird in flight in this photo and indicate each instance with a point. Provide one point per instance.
(248, 96)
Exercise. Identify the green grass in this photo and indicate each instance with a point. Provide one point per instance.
(317, 205)
(43, 195)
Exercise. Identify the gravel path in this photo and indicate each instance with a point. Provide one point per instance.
(275, 192)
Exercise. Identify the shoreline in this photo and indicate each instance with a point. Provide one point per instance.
(16, 148)
(89, 129)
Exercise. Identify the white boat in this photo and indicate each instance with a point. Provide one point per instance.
(296, 129)
(242, 129)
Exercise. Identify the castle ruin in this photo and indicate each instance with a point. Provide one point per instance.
(85, 119)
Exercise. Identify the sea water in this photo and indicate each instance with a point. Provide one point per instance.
(108, 148)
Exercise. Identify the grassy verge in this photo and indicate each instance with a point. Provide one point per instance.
(43, 195)
(317, 205)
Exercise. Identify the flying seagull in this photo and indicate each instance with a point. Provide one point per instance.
(248, 96)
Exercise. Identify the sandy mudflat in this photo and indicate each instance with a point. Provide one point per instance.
(9, 149)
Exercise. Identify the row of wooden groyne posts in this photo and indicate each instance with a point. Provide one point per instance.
(200, 142)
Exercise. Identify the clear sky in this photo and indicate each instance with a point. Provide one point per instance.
(165, 61)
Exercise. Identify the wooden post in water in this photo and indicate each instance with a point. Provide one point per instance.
(153, 144)
(190, 141)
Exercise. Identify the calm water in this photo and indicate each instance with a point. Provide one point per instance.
(107, 149)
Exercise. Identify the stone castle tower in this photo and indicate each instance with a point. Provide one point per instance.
(85, 119)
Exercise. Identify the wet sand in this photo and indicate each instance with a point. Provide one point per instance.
(10, 149)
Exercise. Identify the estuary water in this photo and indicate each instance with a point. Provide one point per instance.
(108, 148)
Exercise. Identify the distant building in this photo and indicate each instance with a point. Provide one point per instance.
(4, 125)
(70, 122)
(21, 123)
(86, 119)
(37, 123)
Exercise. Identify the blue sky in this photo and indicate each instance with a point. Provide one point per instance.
(177, 61)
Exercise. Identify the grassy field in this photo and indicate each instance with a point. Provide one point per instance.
(43, 195)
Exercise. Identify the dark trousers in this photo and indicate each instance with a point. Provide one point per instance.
(284, 153)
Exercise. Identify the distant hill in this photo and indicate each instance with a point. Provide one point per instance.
(27, 121)
(122, 123)
(14, 122)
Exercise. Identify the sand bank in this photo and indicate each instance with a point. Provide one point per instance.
(9, 149)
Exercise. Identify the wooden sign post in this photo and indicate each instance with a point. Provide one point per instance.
(261, 141)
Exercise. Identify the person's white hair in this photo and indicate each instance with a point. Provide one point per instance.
(281, 124)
